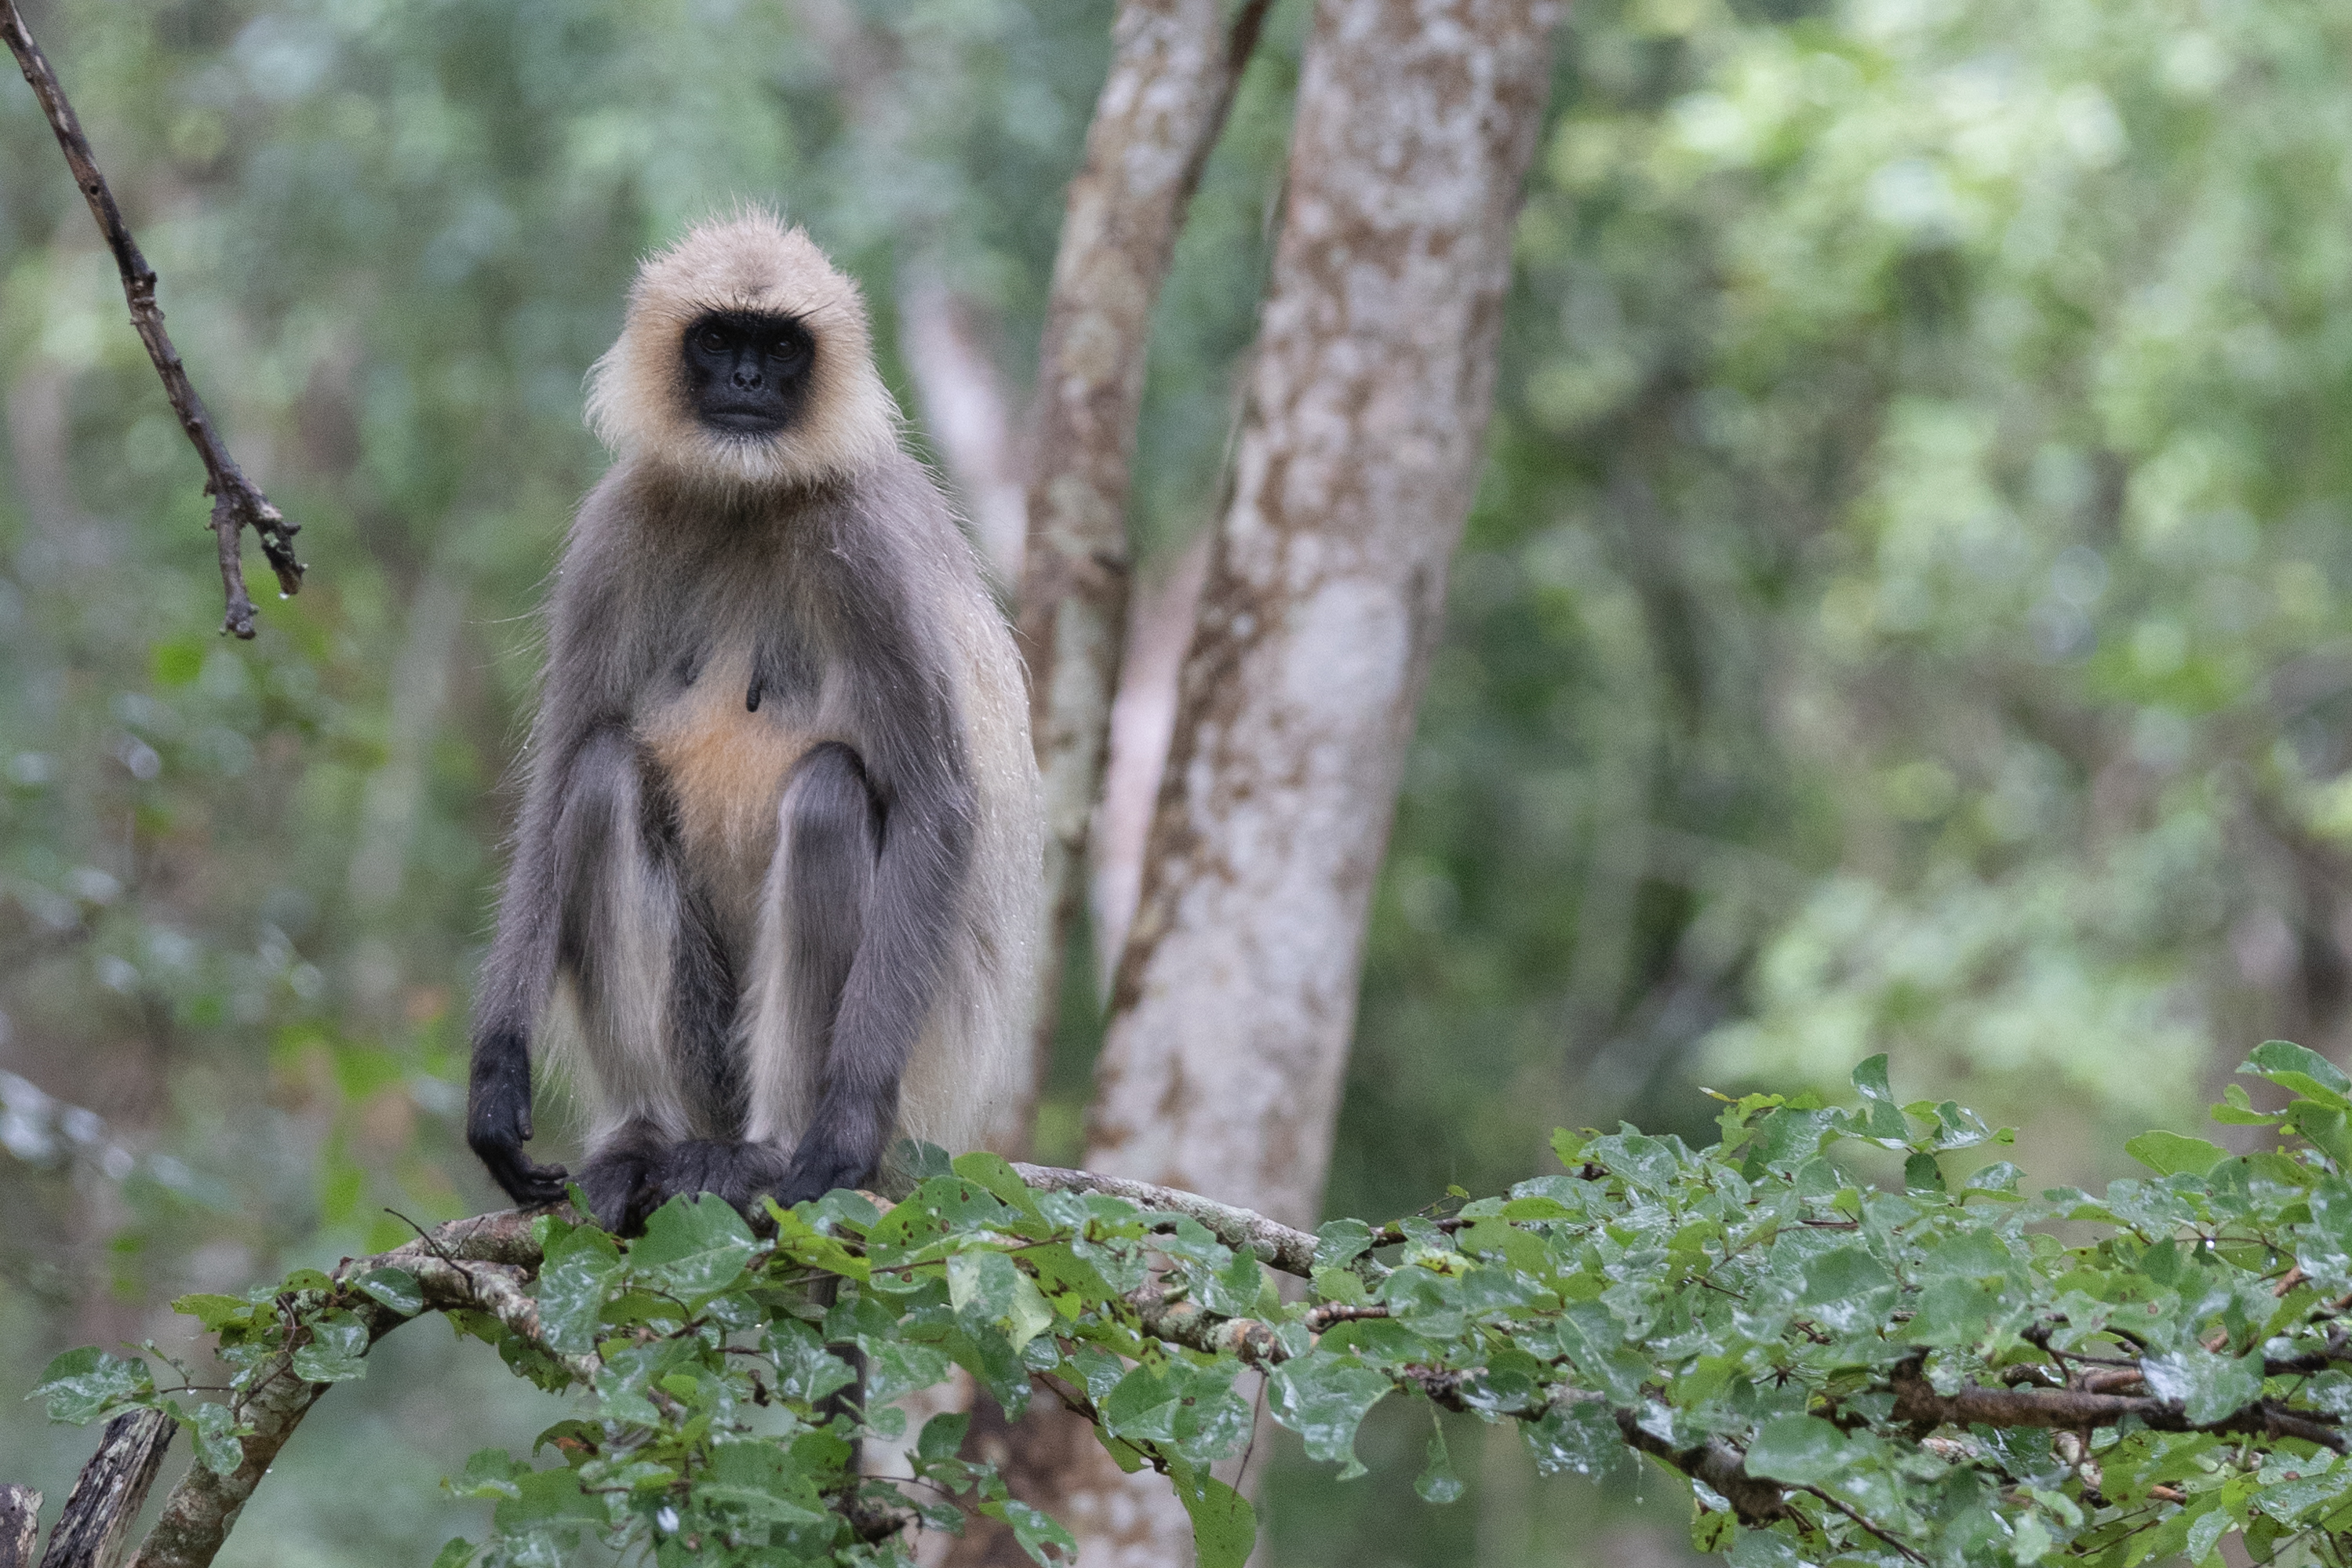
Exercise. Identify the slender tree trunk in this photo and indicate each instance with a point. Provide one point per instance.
(1174, 66)
(1369, 397)
(1360, 449)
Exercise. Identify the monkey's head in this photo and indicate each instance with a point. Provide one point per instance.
(745, 359)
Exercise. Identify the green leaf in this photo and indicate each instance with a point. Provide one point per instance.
(1323, 1398)
(2208, 1387)
(1579, 1436)
(1845, 1271)
(2306, 1073)
(213, 1429)
(1230, 1291)
(2236, 1109)
(574, 1283)
(2327, 1128)
(989, 1356)
(215, 1312)
(1954, 1311)
(805, 1371)
(84, 1384)
(489, 1473)
(547, 1497)
(992, 1172)
(395, 1288)
(1034, 1532)
(1648, 1162)
(1712, 1531)
(1030, 1315)
(1998, 1180)
(1340, 1242)
(1592, 1337)
(2167, 1153)
(693, 1247)
(2206, 1533)
(456, 1552)
(1799, 1449)
(895, 1367)
(922, 1161)
(1762, 1549)
(1224, 1526)
(1437, 1482)
(982, 1279)
(1870, 1079)
(942, 1436)
(758, 1481)
(338, 1341)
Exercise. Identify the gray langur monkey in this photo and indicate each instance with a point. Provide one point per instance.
(778, 861)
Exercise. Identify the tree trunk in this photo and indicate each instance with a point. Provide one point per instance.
(1172, 73)
(1368, 396)
(1360, 449)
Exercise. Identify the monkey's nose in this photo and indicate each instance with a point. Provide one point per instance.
(746, 379)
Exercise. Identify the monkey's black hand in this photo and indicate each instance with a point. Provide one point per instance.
(497, 1120)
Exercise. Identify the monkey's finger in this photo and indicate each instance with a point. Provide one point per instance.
(526, 1181)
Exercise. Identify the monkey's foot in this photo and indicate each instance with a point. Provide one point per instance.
(818, 1167)
(739, 1172)
(615, 1181)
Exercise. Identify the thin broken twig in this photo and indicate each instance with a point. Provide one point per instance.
(238, 502)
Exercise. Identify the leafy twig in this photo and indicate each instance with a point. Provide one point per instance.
(2074, 1409)
(1276, 1245)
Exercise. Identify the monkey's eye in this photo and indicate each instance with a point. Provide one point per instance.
(711, 341)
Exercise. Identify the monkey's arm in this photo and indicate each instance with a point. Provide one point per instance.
(513, 992)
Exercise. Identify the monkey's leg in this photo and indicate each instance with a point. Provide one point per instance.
(622, 916)
(818, 893)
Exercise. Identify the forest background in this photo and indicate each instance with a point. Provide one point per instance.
(1906, 606)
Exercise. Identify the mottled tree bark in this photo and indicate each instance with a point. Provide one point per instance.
(20, 1525)
(1360, 448)
(1173, 70)
(1369, 397)
(110, 1491)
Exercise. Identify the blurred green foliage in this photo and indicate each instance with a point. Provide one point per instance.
(1904, 609)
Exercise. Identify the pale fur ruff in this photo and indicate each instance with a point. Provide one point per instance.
(753, 262)
(969, 1058)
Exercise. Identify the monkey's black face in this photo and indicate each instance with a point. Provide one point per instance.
(747, 374)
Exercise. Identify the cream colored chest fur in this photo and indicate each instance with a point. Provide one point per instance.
(725, 766)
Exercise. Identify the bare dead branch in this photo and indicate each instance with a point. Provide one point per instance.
(110, 1491)
(238, 502)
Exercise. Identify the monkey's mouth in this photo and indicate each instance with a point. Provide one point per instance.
(745, 420)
